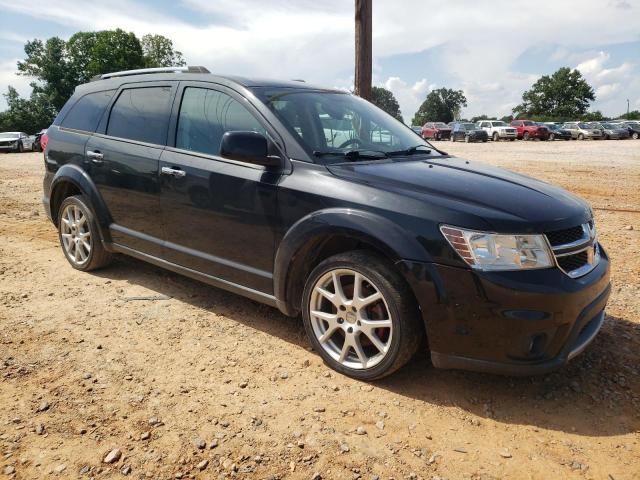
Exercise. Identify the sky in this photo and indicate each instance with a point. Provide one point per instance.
(493, 50)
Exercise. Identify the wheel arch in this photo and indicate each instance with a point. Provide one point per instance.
(328, 232)
(72, 180)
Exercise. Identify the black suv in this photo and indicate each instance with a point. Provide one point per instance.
(318, 203)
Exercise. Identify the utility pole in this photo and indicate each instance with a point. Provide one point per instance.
(627, 108)
(363, 49)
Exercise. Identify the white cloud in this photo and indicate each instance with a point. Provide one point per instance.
(409, 96)
(314, 40)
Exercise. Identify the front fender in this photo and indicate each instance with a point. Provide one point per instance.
(70, 173)
(368, 227)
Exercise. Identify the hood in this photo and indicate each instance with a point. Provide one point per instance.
(458, 191)
(9, 137)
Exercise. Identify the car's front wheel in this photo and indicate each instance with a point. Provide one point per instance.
(360, 315)
(79, 235)
(496, 137)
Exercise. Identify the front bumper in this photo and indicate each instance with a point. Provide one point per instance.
(512, 323)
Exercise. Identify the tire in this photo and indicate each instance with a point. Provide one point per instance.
(396, 305)
(76, 222)
(512, 139)
(19, 148)
(634, 135)
(496, 137)
(525, 136)
(467, 139)
(552, 137)
(580, 136)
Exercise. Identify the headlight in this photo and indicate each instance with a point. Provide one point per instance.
(492, 251)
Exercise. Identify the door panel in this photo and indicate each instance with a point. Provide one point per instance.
(220, 218)
(127, 179)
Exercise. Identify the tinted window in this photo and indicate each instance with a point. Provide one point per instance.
(86, 112)
(141, 114)
(206, 115)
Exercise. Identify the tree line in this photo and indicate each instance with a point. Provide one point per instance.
(58, 67)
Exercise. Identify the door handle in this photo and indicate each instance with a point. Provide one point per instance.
(174, 172)
(95, 156)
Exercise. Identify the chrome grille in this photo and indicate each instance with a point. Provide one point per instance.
(575, 249)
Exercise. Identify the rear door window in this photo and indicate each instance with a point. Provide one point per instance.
(86, 112)
(141, 114)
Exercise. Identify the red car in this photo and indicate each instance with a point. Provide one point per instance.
(527, 130)
(436, 130)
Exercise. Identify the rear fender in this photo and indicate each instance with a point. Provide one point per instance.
(73, 174)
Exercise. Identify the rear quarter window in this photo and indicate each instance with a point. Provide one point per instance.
(85, 114)
(141, 114)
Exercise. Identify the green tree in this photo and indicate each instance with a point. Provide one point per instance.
(507, 118)
(565, 94)
(441, 105)
(158, 51)
(26, 115)
(633, 115)
(481, 117)
(384, 99)
(58, 67)
(593, 117)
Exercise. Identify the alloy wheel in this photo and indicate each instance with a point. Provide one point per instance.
(350, 318)
(75, 234)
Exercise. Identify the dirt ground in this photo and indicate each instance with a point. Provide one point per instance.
(200, 383)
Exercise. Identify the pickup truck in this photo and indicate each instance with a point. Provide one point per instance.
(528, 130)
(497, 129)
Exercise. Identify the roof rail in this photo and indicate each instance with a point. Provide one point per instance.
(140, 71)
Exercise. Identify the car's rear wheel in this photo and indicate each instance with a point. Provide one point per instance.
(79, 235)
(580, 136)
(496, 137)
(525, 136)
(360, 315)
(635, 135)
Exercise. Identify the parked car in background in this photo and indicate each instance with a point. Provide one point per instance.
(436, 131)
(610, 131)
(468, 132)
(528, 130)
(236, 184)
(498, 130)
(37, 142)
(15, 142)
(556, 132)
(582, 131)
(417, 129)
(632, 127)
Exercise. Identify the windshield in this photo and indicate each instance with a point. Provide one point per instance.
(609, 126)
(583, 125)
(468, 126)
(498, 124)
(333, 125)
(551, 126)
(8, 135)
(528, 124)
(441, 125)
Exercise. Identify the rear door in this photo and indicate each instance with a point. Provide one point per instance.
(124, 162)
(220, 215)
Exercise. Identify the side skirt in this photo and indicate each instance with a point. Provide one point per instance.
(202, 277)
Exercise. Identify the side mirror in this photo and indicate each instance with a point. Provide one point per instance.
(249, 147)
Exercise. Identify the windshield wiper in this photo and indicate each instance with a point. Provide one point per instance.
(354, 154)
(411, 151)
